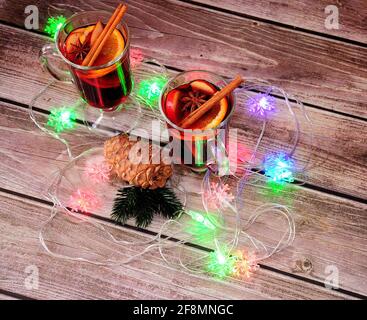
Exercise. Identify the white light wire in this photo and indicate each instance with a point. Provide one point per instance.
(160, 241)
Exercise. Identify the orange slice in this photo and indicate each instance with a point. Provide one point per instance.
(112, 48)
(86, 32)
(72, 39)
(204, 87)
(96, 32)
(213, 118)
(217, 114)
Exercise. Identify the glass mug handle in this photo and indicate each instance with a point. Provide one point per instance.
(48, 51)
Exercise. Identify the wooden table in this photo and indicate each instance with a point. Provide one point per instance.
(284, 42)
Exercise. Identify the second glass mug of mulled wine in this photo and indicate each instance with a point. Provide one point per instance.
(205, 142)
(108, 82)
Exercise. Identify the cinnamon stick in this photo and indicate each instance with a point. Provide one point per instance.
(103, 37)
(204, 108)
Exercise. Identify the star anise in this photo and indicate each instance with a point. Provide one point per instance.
(193, 100)
(81, 49)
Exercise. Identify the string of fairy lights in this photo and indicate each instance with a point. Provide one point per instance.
(209, 228)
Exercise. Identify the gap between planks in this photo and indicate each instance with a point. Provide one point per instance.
(329, 60)
(303, 184)
(48, 204)
(265, 281)
(275, 23)
(21, 110)
(174, 69)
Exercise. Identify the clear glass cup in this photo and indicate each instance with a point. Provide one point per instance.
(104, 87)
(198, 149)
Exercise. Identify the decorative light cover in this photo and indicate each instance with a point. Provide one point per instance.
(279, 167)
(261, 104)
(61, 119)
(54, 24)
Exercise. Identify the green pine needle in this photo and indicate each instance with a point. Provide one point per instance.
(143, 204)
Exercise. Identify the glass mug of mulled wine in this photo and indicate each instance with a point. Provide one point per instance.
(107, 82)
(205, 142)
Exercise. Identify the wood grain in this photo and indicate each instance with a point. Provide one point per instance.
(305, 14)
(338, 139)
(144, 278)
(338, 226)
(321, 72)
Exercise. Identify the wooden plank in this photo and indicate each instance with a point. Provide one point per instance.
(338, 226)
(145, 278)
(321, 72)
(305, 14)
(333, 132)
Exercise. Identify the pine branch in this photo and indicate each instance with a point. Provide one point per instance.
(143, 204)
(169, 205)
(124, 205)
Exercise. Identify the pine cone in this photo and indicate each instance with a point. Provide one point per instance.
(129, 165)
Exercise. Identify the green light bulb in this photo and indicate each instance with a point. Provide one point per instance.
(61, 119)
(54, 24)
(221, 264)
(203, 227)
(149, 90)
(221, 258)
(203, 220)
